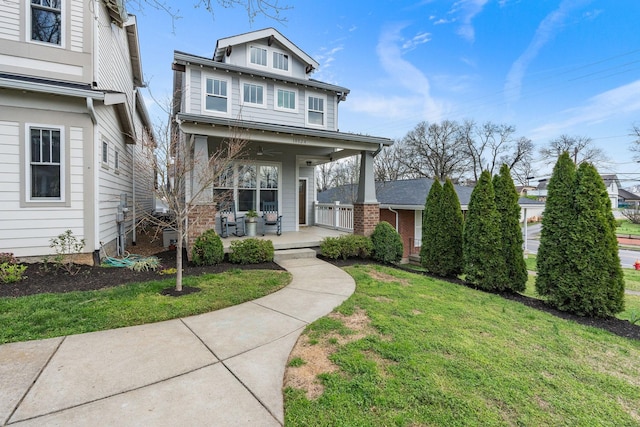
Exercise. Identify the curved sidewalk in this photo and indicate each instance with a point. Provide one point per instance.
(220, 368)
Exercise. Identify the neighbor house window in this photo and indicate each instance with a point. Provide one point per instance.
(315, 111)
(286, 100)
(105, 153)
(281, 61)
(253, 94)
(45, 154)
(258, 55)
(216, 95)
(46, 21)
(116, 160)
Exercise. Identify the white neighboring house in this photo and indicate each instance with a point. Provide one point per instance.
(72, 124)
(610, 181)
(260, 82)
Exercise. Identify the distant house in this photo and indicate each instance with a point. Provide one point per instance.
(72, 124)
(627, 198)
(261, 82)
(402, 205)
(610, 181)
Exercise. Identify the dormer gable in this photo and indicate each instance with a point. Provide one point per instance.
(266, 50)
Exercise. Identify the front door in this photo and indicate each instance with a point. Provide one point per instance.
(302, 202)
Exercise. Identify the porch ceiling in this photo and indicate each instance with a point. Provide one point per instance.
(339, 143)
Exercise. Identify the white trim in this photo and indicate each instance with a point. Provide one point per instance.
(103, 161)
(277, 88)
(289, 56)
(417, 225)
(27, 160)
(253, 64)
(251, 104)
(324, 111)
(28, 29)
(228, 81)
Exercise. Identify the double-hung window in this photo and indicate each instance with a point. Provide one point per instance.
(253, 94)
(280, 61)
(45, 163)
(46, 21)
(286, 100)
(258, 55)
(216, 98)
(315, 111)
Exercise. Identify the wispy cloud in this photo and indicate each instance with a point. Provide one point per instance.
(402, 74)
(547, 30)
(612, 103)
(416, 40)
(325, 58)
(468, 9)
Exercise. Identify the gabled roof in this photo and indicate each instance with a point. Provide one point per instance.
(266, 33)
(410, 194)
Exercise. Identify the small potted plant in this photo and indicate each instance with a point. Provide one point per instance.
(251, 218)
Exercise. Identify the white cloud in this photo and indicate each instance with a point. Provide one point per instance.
(547, 30)
(468, 9)
(417, 40)
(325, 58)
(613, 103)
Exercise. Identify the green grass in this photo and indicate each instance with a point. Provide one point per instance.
(628, 228)
(51, 315)
(444, 354)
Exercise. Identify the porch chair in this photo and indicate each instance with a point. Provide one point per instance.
(228, 218)
(271, 217)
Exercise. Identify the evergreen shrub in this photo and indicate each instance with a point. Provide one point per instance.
(387, 243)
(251, 251)
(207, 249)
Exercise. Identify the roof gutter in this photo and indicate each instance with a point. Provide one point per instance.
(50, 89)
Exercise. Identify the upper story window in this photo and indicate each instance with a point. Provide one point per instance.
(46, 21)
(45, 163)
(116, 160)
(253, 94)
(258, 55)
(105, 153)
(216, 98)
(286, 100)
(281, 61)
(315, 111)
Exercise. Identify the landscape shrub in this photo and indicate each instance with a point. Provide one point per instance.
(67, 247)
(387, 243)
(10, 270)
(484, 263)
(347, 246)
(251, 251)
(207, 249)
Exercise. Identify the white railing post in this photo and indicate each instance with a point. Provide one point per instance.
(336, 214)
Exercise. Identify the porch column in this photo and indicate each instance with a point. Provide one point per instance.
(366, 209)
(202, 217)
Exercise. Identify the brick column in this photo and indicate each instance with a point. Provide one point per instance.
(201, 218)
(365, 218)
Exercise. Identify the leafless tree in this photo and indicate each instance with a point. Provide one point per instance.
(388, 165)
(635, 145)
(324, 176)
(632, 214)
(580, 148)
(435, 151)
(523, 170)
(185, 179)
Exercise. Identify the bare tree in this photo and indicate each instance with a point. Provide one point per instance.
(436, 151)
(185, 179)
(580, 149)
(522, 170)
(324, 176)
(388, 165)
(635, 145)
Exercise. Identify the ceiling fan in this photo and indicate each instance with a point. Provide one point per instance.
(267, 152)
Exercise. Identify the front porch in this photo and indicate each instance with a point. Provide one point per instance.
(306, 237)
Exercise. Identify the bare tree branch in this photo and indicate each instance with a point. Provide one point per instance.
(580, 148)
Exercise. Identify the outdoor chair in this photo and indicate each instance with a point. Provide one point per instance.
(271, 217)
(228, 218)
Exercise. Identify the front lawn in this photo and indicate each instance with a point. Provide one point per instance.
(410, 350)
(627, 228)
(51, 315)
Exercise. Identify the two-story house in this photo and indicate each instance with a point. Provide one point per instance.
(260, 82)
(72, 124)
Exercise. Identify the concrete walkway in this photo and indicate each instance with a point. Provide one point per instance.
(223, 368)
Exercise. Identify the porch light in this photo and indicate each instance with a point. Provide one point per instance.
(260, 151)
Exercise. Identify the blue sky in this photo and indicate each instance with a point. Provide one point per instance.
(549, 67)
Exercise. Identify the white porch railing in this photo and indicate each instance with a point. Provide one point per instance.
(334, 215)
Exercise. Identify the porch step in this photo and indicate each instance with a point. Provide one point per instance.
(286, 254)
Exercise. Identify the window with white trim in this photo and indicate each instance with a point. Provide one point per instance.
(45, 163)
(216, 98)
(315, 111)
(116, 160)
(258, 55)
(254, 184)
(280, 61)
(253, 94)
(105, 153)
(285, 100)
(46, 21)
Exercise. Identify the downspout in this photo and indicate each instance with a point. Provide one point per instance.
(96, 182)
(133, 177)
(395, 212)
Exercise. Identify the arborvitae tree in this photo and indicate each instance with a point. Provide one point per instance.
(599, 290)
(451, 226)
(509, 210)
(482, 249)
(431, 228)
(554, 264)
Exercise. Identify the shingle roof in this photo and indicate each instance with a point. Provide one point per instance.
(406, 192)
(627, 195)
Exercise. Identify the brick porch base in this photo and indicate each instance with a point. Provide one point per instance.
(365, 218)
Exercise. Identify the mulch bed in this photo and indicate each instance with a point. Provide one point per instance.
(614, 325)
(39, 280)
